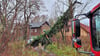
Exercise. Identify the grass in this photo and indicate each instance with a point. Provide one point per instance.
(63, 50)
(18, 49)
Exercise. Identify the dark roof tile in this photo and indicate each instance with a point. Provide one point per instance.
(38, 24)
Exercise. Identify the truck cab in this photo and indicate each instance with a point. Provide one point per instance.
(94, 25)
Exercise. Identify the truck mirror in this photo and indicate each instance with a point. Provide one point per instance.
(76, 28)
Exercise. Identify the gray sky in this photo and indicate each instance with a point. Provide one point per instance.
(50, 3)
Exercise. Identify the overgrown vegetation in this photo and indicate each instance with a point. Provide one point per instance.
(18, 48)
(63, 50)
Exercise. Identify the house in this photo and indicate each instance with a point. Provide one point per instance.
(38, 28)
(83, 28)
(84, 32)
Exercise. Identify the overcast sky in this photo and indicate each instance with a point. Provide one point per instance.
(50, 4)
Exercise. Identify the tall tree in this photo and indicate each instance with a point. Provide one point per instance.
(14, 13)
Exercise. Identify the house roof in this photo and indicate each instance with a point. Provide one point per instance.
(38, 24)
(85, 27)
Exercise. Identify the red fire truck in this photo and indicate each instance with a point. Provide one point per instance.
(94, 25)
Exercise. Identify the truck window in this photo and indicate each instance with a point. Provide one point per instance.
(96, 29)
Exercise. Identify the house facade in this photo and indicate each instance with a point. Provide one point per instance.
(84, 30)
(38, 28)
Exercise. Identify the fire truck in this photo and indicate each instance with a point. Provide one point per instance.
(94, 31)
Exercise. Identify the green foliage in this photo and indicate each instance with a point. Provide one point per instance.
(56, 28)
(63, 50)
(60, 52)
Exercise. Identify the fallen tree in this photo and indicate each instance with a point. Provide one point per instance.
(45, 39)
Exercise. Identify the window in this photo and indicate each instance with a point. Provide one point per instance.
(96, 30)
(35, 30)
